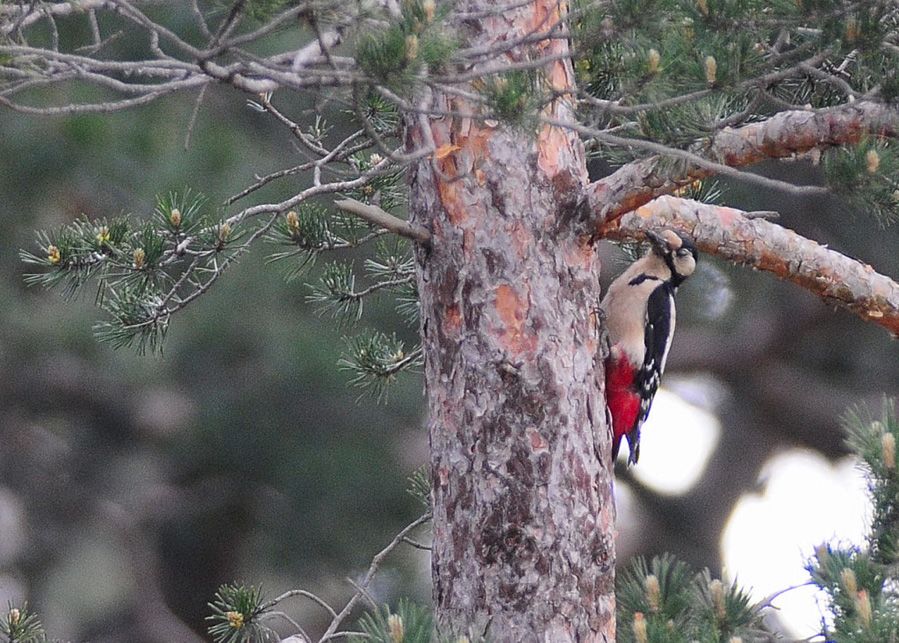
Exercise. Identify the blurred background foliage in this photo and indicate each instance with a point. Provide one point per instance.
(240, 452)
(132, 487)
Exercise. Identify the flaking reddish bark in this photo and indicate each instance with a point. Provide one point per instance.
(781, 136)
(523, 545)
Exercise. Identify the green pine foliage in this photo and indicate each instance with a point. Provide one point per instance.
(420, 485)
(410, 623)
(678, 71)
(515, 97)
(236, 616)
(862, 582)
(416, 43)
(386, 188)
(305, 232)
(664, 601)
(144, 270)
(374, 360)
(20, 625)
(378, 112)
(866, 175)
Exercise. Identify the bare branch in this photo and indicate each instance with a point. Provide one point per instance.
(762, 245)
(702, 164)
(370, 574)
(379, 217)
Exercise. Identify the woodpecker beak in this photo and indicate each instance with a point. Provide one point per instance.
(658, 242)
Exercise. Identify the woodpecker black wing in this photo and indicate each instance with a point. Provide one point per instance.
(660, 317)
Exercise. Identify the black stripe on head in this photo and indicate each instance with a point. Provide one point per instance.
(639, 279)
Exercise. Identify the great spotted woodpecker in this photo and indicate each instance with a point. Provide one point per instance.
(640, 315)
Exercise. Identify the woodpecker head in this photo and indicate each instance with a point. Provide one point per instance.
(678, 253)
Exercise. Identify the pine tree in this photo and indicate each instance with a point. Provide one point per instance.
(489, 114)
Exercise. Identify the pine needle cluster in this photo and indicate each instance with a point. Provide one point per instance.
(20, 625)
(677, 72)
(415, 43)
(514, 97)
(862, 582)
(236, 617)
(409, 623)
(144, 270)
(664, 601)
(866, 175)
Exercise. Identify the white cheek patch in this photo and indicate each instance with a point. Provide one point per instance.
(672, 239)
(685, 265)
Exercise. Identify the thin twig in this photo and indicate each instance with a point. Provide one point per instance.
(193, 117)
(376, 563)
(376, 216)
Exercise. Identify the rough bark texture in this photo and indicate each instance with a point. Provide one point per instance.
(781, 136)
(523, 546)
(727, 233)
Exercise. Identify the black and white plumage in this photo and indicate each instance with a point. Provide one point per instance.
(640, 317)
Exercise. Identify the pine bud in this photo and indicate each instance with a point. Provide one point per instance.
(429, 7)
(735, 639)
(711, 70)
(654, 58)
(822, 555)
(175, 218)
(863, 605)
(224, 232)
(872, 161)
(895, 196)
(850, 584)
(375, 158)
(888, 445)
(53, 254)
(411, 47)
(293, 222)
(463, 639)
(640, 635)
(716, 589)
(703, 7)
(102, 235)
(235, 620)
(396, 628)
(139, 257)
(653, 592)
(14, 616)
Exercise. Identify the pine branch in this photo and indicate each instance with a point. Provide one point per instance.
(782, 136)
(730, 234)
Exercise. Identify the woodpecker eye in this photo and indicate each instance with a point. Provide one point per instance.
(682, 252)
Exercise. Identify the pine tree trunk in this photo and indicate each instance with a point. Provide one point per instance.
(523, 513)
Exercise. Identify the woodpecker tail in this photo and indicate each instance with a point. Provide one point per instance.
(633, 443)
